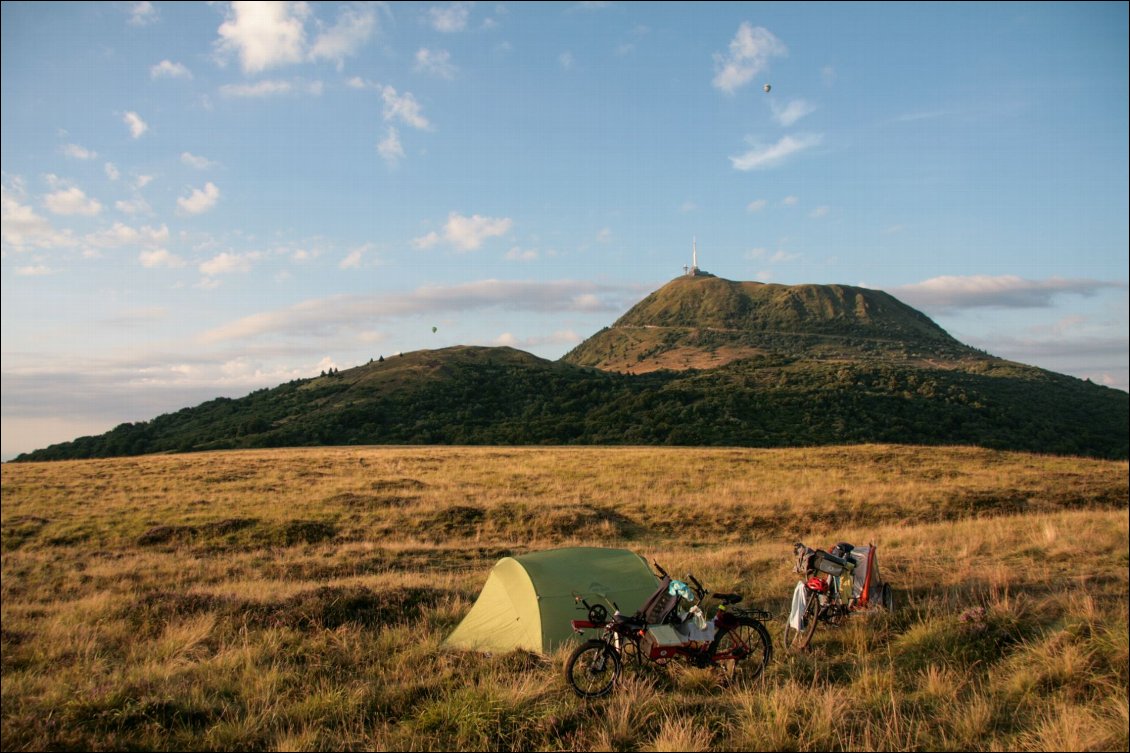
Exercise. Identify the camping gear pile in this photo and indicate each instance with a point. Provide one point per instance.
(529, 600)
(835, 584)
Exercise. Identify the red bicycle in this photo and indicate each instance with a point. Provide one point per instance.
(734, 640)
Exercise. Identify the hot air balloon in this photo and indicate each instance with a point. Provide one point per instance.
(767, 87)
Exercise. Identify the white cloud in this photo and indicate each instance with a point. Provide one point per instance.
(820, 211)
(144, 180)
(21, 228)
(264, 35)
(142, 14)
(70, 201)
(38, 270)
(136, 205)
(226, 263)
(354, 25)
(193, 160)
(404, 108)
(352, 260)
(688, 206)
(566, 61)
(137, 126)
(112, 171)
(749, 54)
(756, 205)
(271, 87)
(159, 258)
(200, 200)
(790, 201)
(828, 75)
(788, 114)
(450, 18)
(604, 235)
(948, 293)
(316, 316)
(169, 69)
(466, 233)
(78, 152)
(435, 63)
(761, 157)
(121, 234)
(520, 254)
(389, 147)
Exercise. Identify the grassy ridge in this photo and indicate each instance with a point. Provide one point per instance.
(296, 599)
(496, 396)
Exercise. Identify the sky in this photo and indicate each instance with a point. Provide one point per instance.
(204, 199)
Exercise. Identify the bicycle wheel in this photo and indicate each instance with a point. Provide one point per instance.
(743, 650)
(887, 598)
(798, 640)
(593, 669)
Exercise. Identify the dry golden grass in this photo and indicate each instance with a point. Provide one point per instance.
(296, 599)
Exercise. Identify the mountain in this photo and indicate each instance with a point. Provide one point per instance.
(705, 322)
(701, 361)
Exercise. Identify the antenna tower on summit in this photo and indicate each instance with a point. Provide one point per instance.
(693, 271)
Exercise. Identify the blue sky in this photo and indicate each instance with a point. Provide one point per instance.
(202, 199)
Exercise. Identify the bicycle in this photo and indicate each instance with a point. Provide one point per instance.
(829, 576)
(734, 640)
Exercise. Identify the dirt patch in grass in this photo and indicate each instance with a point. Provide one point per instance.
(397, 485)
(19, 529)
(239, 533)
(327, 607)
(365, 501)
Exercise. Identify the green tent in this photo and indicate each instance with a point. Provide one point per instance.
(527, 601)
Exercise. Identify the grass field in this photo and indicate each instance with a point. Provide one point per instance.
(297, 599)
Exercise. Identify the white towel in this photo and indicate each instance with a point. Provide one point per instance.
(800, 602)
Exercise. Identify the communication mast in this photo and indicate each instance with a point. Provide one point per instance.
(693, 271)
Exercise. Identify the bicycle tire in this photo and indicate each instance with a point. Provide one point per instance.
(592, 669)
(798, 640)
(743, 651)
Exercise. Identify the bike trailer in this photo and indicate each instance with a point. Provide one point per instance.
(867, 588)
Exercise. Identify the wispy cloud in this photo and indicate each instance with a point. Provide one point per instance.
(169, 69)
(322, 314)
(790, 113)
(159, 258)
(354, 25)
(950, 293)
(271, 87)
(75, 151)
(403, 108)
(142, 14)
(137, 126)
(435, 63)
(449, 18)
(390, 148)
(466, 233)
(195, 160)
(749, 54)
(763, 157)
